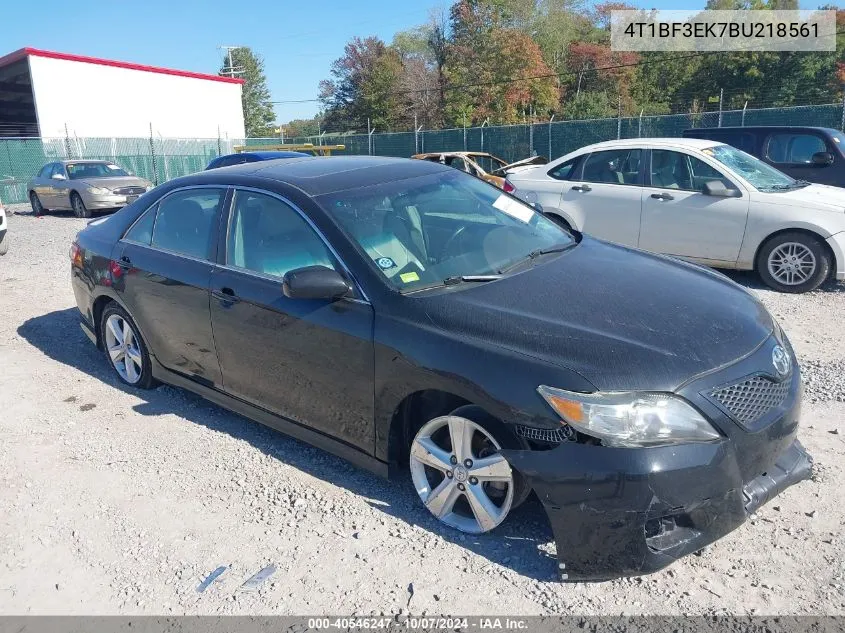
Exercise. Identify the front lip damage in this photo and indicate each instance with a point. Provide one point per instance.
(600, 500)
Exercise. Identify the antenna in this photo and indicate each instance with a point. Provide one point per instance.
(231, 70)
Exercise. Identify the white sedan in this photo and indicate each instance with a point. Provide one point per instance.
(699, 200)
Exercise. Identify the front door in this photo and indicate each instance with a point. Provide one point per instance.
(308, 360)
(604, 200)
(680, 220)
(166, 265)
(792, 153)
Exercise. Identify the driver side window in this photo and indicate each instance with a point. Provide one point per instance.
(268, 236)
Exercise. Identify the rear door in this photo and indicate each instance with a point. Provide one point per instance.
(166, 257)
(604, 197)
(42, 185)
(792, 153)
(678, 219)
(308, 360)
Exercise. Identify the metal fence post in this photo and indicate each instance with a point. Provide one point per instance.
(746, 105)
(842, 123)
(721, 98)
(640, 124)
(550, 136)
(486, 122)
(619, 119)
(67, 142)
(417, 140)
(531, 139)
(153, 155)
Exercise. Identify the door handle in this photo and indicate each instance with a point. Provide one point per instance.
(582, 188)
(124, 262)
(663, 196)
(225, 295)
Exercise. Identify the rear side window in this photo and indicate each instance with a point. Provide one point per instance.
(613, 167)
(564, 171)
(142, 231)
(794, 148)
(185, 219)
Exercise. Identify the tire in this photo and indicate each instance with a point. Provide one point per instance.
(37, 209)
(131, 361)
(794, 262)
(79, 208)
(450, 479)
(4, 243)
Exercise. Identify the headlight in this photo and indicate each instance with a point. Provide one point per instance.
(630, 419)
(99, 191)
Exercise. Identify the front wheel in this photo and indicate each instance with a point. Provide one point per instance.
(79, 208)
(793, 262)
(125, 348)
(459, 474)
(35, 201)
(4, 242)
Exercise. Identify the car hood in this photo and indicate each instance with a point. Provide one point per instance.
(823, 197)
(115, 182)
(623, 319)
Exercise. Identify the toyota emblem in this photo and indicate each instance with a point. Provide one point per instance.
(781, 360)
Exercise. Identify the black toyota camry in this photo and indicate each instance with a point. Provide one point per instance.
(422, 323)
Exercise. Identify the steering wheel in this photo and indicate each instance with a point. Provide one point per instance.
(453, 240)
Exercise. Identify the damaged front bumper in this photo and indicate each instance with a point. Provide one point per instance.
(630, 511)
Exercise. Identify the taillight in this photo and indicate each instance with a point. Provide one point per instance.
(508, 187)
(76, 255)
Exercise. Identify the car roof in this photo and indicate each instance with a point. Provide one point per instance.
(690, 143)
(76, 161)
(432, 154)
(269, 155)
(318, 175)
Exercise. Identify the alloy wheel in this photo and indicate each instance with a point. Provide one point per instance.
(792, 263)
(37, 208)
(123, 350)
(78, 207)
(459, 474)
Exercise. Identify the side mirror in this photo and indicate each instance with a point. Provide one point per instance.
(315, 282)
(822, 159)
(718, 189)
(58, 177)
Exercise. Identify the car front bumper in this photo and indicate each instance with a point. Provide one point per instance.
(111, 201)
(630, 511)
(837, 245)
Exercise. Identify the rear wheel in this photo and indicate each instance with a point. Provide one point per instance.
(79, 208)
(459, 474)
(794, 262)
(125, 348)
(37, 209)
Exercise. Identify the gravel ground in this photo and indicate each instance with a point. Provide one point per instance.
(116, 500)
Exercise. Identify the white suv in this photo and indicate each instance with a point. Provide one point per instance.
(699, 200)
(4, 230)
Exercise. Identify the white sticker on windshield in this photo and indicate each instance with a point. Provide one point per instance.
(110, 166)
(513, 208)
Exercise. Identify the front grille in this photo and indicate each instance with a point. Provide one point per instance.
(552, 436)
(751, 399)
(129, 191)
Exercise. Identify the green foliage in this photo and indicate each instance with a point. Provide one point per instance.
(258, 110)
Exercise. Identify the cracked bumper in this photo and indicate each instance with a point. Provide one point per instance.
(626, 512)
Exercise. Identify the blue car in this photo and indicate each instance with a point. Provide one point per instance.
(251, 157)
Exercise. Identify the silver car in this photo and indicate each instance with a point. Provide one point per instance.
(83, 186)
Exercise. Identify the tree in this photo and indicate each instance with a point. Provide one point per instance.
(365, 85)
(255, 97)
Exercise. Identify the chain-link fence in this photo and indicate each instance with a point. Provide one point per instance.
(160, 159)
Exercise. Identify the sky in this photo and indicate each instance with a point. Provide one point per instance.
(298, 39)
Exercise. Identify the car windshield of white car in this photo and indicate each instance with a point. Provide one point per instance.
(758, 174)
(79, 171)
(443, 228)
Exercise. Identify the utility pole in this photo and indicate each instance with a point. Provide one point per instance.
(230, 70)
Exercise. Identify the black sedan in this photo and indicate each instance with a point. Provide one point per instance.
(251, 157)
(414, 319)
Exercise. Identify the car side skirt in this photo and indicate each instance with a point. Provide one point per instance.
(288, 427)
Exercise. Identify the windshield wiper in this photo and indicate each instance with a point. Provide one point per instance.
(798, 184)
(456, 279)
(559, 248)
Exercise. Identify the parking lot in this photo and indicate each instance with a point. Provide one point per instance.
(118, 500)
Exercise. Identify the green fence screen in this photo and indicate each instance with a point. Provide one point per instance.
(160, 159)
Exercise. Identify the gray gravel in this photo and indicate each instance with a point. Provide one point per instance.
(122, 501)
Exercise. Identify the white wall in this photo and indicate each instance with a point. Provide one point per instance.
(105, 101)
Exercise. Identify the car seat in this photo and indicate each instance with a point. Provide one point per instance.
(663, 170)
(183, 227)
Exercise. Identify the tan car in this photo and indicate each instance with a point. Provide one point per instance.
(485, 166)
(83, 186)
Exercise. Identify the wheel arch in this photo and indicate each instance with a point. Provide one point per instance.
(805, 231)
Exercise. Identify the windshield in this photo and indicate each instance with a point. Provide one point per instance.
(78, 171)
(422, 231)
(758, 174)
